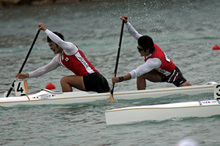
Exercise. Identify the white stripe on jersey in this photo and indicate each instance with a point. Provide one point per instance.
(172, 75)
(175, 76)
(81, 59)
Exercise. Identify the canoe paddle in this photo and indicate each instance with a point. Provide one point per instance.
(111, 98)
(12, 86)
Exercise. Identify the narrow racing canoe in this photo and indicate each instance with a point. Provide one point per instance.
(162, 112)
(50, 97)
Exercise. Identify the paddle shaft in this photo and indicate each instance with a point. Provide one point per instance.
(12, 86)
(118, 55)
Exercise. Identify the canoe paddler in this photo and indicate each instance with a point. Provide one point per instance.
(157, 67)
(85, 78)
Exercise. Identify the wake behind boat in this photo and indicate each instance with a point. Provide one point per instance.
(50, 97)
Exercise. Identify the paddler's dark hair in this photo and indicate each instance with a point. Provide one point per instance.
(58, 34)
(147, 43)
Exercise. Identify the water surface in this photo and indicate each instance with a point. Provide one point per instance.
(185, 29)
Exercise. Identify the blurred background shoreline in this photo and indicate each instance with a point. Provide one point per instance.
(10, 3)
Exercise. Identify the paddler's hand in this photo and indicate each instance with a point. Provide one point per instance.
(115, 79)
(41, 26)
(21, 76)
(125, 18)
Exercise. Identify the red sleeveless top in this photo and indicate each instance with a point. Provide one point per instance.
(167, 66)
(78, 63)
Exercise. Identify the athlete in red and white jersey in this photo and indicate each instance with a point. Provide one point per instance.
(86, 77)
(157, 67)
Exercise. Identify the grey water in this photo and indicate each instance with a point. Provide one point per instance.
(185, 29)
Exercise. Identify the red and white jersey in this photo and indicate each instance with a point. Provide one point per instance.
(158, 62)
(167, 66)
(71, 57)
(77, 63)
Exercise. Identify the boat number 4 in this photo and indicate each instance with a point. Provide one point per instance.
(21, 87)
(217, 91)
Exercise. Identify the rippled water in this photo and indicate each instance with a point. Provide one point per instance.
(185, 30)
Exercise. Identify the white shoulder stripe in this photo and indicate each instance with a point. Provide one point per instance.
(85, 64)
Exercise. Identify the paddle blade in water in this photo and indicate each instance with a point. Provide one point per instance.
(111, 98)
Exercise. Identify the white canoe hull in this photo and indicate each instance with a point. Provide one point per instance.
(162, 112)
(50, 97)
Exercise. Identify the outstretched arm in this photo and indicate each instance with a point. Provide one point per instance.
(131, 29)
(47, 68)
(148, 66)
(68, 47)
(40, 71)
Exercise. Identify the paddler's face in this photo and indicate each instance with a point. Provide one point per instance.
(142, 52)
(56, 49)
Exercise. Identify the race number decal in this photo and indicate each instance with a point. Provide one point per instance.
(217, 91)
(209, 102)
(21, 87)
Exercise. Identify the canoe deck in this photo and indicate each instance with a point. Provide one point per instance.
(161, 112)
(49, 97)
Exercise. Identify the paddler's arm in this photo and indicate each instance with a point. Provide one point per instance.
(149, 65)
(122, 78)
(41, 70)
(22, 76)
(68, 47)
(53, 64)
(131, 29)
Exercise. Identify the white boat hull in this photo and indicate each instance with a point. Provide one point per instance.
(50, 97)
(162, 112)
